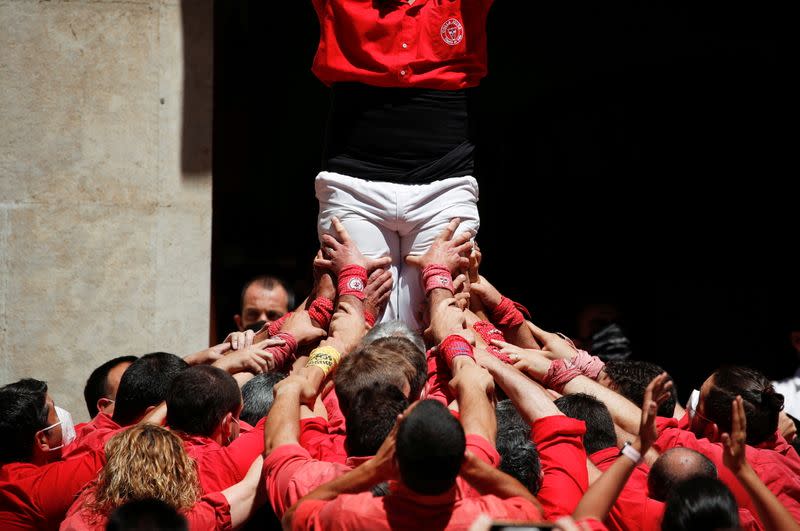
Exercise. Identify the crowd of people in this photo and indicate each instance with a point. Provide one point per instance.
(331, 417)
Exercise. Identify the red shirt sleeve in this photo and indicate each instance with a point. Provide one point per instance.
(436, 387)
(336, 420)
(320, 443)
(279, 469)
(212, 512)
(559, 441)
(306, 516)
(58, 483)
(483, 449)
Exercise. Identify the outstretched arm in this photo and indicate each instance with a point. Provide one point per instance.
(597, 501)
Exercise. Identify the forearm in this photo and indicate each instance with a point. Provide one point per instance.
(623, 436)
(530, 398)
(242, 496)
(770, 510)
(476, 412)
(603, 492)
(624, 412)
(521, 336)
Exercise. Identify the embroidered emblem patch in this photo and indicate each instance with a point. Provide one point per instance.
(452, 31)
(356, 284)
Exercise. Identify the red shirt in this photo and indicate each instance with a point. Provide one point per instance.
(431, 44)
(635, 510)
(778, 468)
(212, 512)
(292, 473)
(559, 441)
(403, 508)
(91, 436)
(437, 385)
(37, 497)
(315, 436)
(219, 467)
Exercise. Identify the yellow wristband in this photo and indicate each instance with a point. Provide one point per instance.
(326, 358)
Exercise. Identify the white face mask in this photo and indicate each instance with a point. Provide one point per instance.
(691, 405)
(67, 428)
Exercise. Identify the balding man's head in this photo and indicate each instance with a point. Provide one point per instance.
(674, 466)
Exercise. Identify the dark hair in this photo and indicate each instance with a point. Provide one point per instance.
(267, 282)
(700, 503)
(600, 433)
(97, 384)
(371, 417)
(145, 383)
(199, 399)
(23, 412)
(519, 458)
(631, 377)
(257, 396)
(761, 403)
(140, 515)
(675, 466)
(385, 361)
(430, 448)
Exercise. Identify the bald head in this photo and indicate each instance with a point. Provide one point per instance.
(675, 466)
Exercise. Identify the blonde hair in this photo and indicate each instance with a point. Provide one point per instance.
(145, 461)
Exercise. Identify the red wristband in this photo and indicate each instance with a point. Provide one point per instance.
(558, 375)
(369, 318)
(352, 281)
(275, 326)
(488, 331)
(506, 314)
(321, 311)
(283, 354)
(437, 276)
(455, 345)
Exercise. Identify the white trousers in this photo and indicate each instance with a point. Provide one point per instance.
(388, 219)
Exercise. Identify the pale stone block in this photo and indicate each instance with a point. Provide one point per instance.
(80, 86)
(81, 291)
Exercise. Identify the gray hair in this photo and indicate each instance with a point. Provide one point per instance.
(395, 328)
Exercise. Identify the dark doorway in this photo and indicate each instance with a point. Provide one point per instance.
(630, 154)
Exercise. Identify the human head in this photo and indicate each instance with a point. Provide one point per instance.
(518, 456)
(149, 514)
(430, 448)
(700, 503)
(761, 403)
(135, 457)
(386, 361)
(264, 299)
(394, 328)
(144, 385)
(257, 396)
(675, 466)
(372, 415)
(26, 411)
(600, 432)
(100, 391)
(630, 378)
(204, 400)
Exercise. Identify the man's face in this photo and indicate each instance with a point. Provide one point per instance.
(262, 304)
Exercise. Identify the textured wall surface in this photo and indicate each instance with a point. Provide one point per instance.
(105, 235)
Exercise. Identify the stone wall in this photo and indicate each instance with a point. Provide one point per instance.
(105, 206)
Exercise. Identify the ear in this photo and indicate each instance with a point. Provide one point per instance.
(103, 404)
(238, 320)
(41, 441)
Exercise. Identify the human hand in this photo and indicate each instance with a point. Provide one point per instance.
(208, 355)
(656, 393)
(377, 292)
(554, 346)
(532, 362)
(240, 340)
(341, 251)
(446, 318)
(254, 359)
(302, 328)
(347, 327)
(446, 250)
(734, 442)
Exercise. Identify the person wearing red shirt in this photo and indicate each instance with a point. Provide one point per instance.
(398, 157)
(101, 387)
(36, 488)
(138, 455)
(203, 407)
